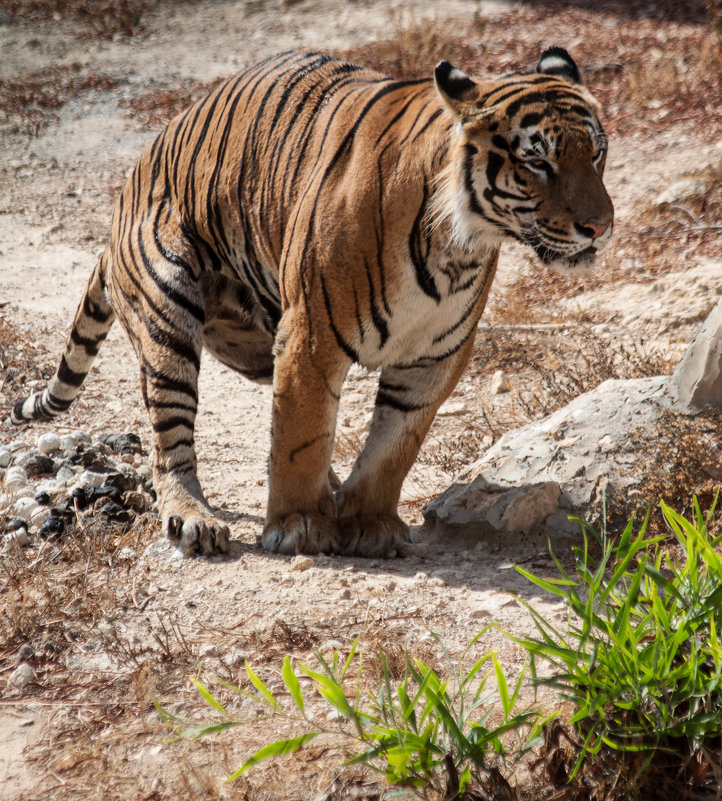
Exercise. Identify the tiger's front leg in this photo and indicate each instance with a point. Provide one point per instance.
(308, 375)
(407, 401)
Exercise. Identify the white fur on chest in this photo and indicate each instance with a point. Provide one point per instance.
(424, 327)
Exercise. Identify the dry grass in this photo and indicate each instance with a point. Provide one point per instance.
(37, 96)
(692, 222)
(102, 18)
(647, 70)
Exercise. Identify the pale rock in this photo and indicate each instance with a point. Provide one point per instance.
(5, 457)
(697, 379)
(499, 383)
(234, 657)
(15, 479)
(24, 508)
(528, 483)
(300, 563)
(38, 517)
(126, 554)
(48, 443)
(65, 474)
(19, 537)
(23, 675)
(208, 650)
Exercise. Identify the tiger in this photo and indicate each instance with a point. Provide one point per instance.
(309, 214)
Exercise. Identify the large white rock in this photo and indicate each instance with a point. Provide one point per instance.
(534, 477)
(697, 379)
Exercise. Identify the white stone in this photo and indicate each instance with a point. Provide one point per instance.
(499, 383)
(24, 508)
(69, 442)
(301, 562)
(48, 443)
(15, 478)
(234, 657)
(527, 484)
(126, 554)
(18, 537)
(22, 676)
(5, 457)
(38, 517)
(697, 379)
(65, 474)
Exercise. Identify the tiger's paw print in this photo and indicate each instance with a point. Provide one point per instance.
(377, 537)
(310, 533)
(198, 535)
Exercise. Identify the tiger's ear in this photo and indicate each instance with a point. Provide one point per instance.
(460, 94)
(556, 61)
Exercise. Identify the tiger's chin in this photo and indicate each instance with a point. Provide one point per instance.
(568, 264)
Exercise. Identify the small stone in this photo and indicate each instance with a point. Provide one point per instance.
(5, 457)
(24, 508)
(43, 499)
(344, 595)
(126, 555)
(137, 501)
(39, 517)
(18, 536)
(331, 645)
(499, 383)
(234, 657)
(65, 474)
(70, 442)
(301, 562)
(480, 614)
(22, 676)
(48, 443)
(207, 650)
(15, 479)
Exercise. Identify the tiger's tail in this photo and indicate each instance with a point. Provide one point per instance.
(91, 325)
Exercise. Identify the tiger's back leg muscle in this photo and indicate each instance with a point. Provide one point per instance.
(166, 330)
(91, 325)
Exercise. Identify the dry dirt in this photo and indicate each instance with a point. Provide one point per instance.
(87, 722)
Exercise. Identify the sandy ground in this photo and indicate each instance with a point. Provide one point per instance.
(56, 195)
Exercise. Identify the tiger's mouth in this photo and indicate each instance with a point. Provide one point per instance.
(560, 260)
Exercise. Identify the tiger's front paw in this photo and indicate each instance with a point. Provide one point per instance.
(377, 536)
(203, 535)
(307, 532)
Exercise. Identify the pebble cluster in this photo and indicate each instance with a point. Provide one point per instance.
(43, 487)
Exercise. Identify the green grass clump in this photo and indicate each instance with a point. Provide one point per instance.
(640, 658)
(422, 733)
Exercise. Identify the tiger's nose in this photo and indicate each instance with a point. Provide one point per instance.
(594, 229)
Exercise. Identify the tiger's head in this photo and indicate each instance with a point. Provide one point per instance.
(529, 161)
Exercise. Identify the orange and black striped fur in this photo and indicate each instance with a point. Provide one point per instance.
(308, 214)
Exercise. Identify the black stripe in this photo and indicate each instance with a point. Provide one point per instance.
(68, 376)
(345, 347)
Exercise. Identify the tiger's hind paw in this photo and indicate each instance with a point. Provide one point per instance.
(309, 533)
(198, 535)
(375, 537)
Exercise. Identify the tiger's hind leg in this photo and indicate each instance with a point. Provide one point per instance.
(159, 304)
